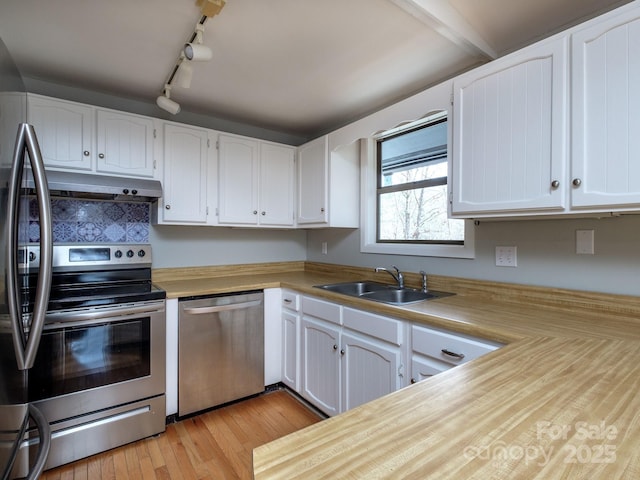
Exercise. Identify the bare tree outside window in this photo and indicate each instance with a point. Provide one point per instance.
(412, 188)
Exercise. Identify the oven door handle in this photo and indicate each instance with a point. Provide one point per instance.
(221, 308)
(91, 316)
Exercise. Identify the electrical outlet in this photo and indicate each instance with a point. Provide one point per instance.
(506, 256)
(324, 248)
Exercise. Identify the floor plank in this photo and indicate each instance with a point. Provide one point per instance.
(215, 445)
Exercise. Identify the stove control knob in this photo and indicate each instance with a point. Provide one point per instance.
(130, 253)
(118, 254)
(141, 253)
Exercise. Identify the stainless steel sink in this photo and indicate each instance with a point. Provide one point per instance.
(382, 292)
(355, 289)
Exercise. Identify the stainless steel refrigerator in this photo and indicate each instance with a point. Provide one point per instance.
(24, 433)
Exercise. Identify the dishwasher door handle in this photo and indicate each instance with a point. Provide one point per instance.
(221, 308)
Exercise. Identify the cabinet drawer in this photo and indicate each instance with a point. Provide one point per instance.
(321, 309)
(435, 343)
(384, 328)
(290, 300)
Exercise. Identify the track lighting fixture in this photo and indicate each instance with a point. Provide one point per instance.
(164, 101)
(195, 50)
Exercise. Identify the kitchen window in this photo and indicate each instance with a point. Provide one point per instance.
(405, 197)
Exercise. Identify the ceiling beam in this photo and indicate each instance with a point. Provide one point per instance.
(441, 16)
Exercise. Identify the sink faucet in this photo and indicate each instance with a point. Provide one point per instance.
(424, 280)
(396, 276)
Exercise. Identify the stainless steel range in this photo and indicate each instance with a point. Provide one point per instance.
(99, 375)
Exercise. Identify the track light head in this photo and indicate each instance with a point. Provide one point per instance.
(164, 101)
(197, 52)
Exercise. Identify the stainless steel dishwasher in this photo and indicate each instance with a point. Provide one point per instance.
(220, 350)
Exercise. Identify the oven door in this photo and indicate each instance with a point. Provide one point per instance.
(101, 358)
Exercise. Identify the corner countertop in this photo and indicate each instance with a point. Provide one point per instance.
(558, 401)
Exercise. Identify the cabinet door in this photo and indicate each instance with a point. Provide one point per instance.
(312, 181)
(321, 365)
(369, 370)
(125, 144)
(238, 180)
(290, 354)
(185, 175)
(509, 134)
(276, 185)
(606, 113)
(424, 367)
(64, 132)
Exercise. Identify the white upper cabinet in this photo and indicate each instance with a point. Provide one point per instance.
(124, 144)
(277, 166)
(328, 185)
(79, 137)
(509, 133)
(185, 175)
(65, 132)
(255, 182)
(313, 169)
(238, 180)
(606, 113)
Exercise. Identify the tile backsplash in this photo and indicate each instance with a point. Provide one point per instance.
(93, 221)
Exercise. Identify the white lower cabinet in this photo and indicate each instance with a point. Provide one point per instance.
(290, 335)
(370, 369)
(321, 364)
(434, 351)
(425, 367)
(348, 357)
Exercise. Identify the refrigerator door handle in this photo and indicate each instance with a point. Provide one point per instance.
(25, 347)
(44, 431)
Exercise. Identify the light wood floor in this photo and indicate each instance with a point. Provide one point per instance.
(215, 445)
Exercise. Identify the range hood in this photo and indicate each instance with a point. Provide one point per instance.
(101, 187)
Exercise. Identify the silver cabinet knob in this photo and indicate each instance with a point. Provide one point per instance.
(577, 182)
(322, 209)
(555, 184)
(264, 213)
(168, 207)
(413, 380)
(86, 153)
(335, 347)
(342, 352)
(101, 155)
(255, 212)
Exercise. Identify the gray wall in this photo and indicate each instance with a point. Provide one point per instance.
(546, 254)
(178, 246)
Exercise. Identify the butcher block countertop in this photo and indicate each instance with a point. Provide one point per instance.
(560, 400)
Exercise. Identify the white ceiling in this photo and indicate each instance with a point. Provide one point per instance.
(303, 67)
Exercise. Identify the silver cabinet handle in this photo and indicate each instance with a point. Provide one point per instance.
(459, 356)
(413, 380)
(264, 213)
(335, 347)
(287, 300)
(86, 153)
(221, 308)
(168, 207)
(342, 352)
(101, 155)
(577, 182)
(555, 184)
(255, 212)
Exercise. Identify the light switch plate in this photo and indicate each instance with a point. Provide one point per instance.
(506, 256)
(585, 244)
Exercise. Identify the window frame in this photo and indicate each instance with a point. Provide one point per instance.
(369, 202)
